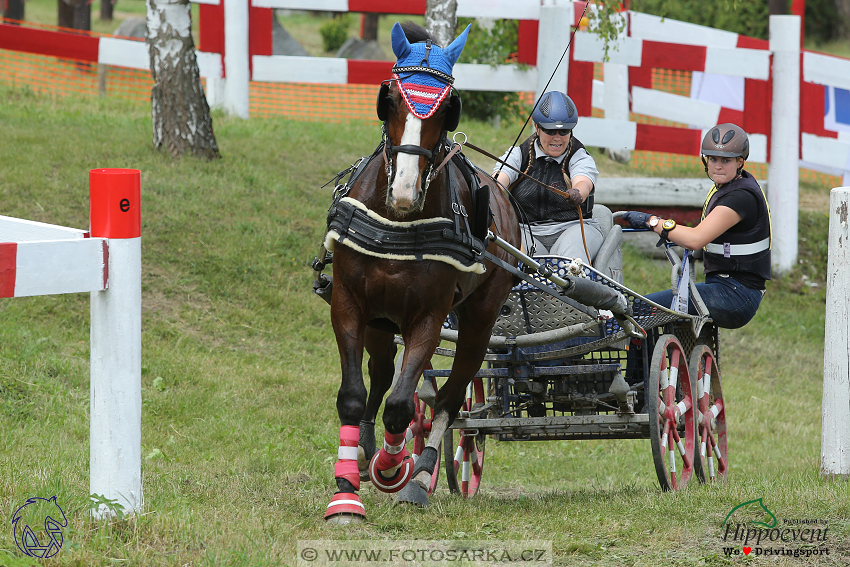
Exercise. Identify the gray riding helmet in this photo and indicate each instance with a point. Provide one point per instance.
(555, 111)
(726, 140)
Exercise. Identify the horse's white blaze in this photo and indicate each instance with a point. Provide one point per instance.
(405, 189)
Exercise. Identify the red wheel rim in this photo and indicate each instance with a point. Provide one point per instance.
(713, 459)
(670, 403)
(468, 463)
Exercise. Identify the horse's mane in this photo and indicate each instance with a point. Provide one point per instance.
(414, 32)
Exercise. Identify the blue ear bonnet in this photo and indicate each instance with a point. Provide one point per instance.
(424, 70)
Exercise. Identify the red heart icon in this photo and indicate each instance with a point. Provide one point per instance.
(747, 550)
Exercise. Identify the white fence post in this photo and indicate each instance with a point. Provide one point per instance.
(835, 431)
(553, 35)
(236, 70)
(783, 172)
(116, 342)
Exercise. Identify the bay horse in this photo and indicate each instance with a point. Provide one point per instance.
(408, 241)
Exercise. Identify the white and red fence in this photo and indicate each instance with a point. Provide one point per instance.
(741, 64)
(776, 92)
(43, 259)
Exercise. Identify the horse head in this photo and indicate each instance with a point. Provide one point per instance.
(418, 108)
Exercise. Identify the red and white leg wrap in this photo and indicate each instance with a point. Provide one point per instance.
(393, 452)
(345, 503)
(390, 469)
(346, 468)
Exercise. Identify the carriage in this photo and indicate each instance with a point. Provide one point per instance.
(425, 248)
(557, 370)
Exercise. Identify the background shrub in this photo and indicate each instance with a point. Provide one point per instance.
(335, 32)
(494, 46)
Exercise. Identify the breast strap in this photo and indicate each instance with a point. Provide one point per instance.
(352, 224)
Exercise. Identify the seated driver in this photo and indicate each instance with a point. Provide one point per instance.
(555, 157)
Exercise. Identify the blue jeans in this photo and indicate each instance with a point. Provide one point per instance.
(730, 303)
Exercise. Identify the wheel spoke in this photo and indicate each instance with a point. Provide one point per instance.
(711, 461)
(674, 436)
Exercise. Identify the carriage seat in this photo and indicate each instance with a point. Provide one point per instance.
(529, 310)
(609, 258)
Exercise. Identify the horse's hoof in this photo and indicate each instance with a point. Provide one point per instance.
(396, 482)
(413, 493)
(344, 519)
(345, 508)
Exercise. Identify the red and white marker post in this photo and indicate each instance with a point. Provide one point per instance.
(116, 342)
(45, 259)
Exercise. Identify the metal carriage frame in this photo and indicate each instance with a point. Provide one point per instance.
(556, 369)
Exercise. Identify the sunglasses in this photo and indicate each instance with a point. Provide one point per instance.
(562, 132)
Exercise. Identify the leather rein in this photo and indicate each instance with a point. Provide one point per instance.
(549, 187)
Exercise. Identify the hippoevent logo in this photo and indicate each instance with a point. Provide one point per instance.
(751, 528)
(39, 512)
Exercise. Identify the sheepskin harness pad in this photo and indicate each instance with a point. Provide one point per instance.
(352, 224)
(445, 240)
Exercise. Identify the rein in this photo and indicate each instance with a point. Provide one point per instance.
(558, 191)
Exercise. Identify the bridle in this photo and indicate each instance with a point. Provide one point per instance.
(430, 155)
(429, 173)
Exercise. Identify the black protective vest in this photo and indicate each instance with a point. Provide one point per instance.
(725, 258)
(541, 204)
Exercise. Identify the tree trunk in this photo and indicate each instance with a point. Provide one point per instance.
(369, 27)
(181, 116)
(441, 20)
(777, 7)
(843, 9)
(14, 9)
(106, 7)
(74, 14)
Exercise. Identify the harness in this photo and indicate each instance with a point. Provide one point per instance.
(446, 240)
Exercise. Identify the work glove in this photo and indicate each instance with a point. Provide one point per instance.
(574, 196)
(636, 219)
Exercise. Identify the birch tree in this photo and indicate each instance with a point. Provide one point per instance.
(181, 116)
(843, 9)
(441, 20)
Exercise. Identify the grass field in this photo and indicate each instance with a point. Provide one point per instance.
(240, 371)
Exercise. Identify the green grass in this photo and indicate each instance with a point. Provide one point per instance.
(240, 373)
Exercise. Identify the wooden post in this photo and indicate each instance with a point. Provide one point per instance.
(783, 171)
(115, 437)
(553, 35)
(835, 430)
(236, 57)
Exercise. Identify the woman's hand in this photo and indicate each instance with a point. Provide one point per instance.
(575, 197)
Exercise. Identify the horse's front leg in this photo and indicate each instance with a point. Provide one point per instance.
(348, 324)
(391, 468)
(474, 327)
(382, 350)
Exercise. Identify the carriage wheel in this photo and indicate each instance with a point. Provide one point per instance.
(711, 416)
(468, 456)
(420, 429)
(670, 404)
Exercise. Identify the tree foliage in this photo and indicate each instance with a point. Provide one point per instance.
(748, 18)
(491, 45)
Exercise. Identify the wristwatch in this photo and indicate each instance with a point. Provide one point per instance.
(653, 222)
(666, 227)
